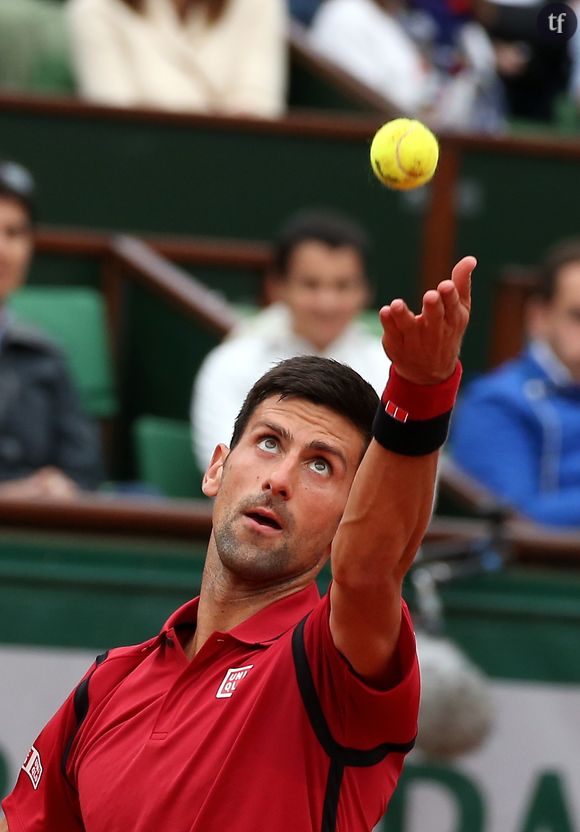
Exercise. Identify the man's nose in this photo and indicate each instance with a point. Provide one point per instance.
(279, 480)
(326, 302)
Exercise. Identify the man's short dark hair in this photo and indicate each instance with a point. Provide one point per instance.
(321, 381)
(328, 227)
(16, 182)
(559, 256)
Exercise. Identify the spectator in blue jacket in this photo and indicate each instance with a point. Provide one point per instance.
(517, 429)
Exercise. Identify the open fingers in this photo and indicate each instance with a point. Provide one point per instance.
(433, 309)
(399, 314)
(451, 301)
(461, 277)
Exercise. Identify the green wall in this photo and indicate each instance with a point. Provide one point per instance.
(86, 591)
(196, 177)
(204, 177)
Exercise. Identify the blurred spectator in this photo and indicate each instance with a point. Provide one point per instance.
(212, 56)
(574, 49)
(303, 10)
(321, 286)
(395, 50)
(517, 429)
(48, 448)
(534, 70)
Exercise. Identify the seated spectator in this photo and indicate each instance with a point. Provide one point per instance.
(517, 429)
(303, 11)
(209, 56)
(321, 286)
(48, 448)
(397, 54)
(534, 70)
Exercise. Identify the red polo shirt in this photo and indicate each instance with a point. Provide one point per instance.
(266, 728)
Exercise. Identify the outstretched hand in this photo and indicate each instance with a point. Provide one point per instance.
(424, 348)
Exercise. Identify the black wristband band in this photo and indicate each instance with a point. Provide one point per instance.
(410, 438)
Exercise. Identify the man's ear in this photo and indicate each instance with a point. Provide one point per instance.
(212, 478)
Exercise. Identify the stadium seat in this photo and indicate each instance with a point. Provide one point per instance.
(75, 319)
(165, 456)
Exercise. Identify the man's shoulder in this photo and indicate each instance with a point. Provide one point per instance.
(355, 10)
(24, 336)
(241, 360)
(506, 382)
(247, 344)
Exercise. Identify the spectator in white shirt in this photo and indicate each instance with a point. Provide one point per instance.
(209, 56)
(380, 44)
(321, 287)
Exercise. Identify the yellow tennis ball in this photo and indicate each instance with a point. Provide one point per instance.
(404, 154)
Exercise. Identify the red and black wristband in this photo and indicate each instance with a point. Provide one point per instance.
(413, 419)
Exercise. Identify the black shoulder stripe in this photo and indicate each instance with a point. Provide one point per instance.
(81, 707)
(332, 796)
(339, 755)
(308, 692)
(346, 756)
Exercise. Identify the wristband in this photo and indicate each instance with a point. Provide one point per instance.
(413, 419)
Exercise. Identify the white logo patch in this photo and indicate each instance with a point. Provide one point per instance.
(231, 681)
(33, 767)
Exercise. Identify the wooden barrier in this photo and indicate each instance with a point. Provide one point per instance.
(174, 520)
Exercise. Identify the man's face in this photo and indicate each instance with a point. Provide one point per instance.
(15, 246)
(558, 321)
(281, 492)
(324, 288)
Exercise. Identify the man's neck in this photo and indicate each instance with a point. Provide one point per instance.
(552, 365)
(316, 345)
(225, 602)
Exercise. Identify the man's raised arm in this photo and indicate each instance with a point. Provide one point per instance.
(391, 499)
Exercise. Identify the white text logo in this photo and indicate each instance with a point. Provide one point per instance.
(33, 767)
(231, 681)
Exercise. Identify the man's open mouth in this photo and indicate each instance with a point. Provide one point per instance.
(264, 519)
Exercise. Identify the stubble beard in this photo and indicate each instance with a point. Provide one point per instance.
(257, 562)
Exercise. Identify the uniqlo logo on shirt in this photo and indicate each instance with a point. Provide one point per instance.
(33, 767)
(231, 681)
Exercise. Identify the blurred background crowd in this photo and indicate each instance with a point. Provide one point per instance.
(459, 64)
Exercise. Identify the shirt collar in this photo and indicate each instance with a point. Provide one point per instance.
(266, 625)
(281, 335)
(548, 361)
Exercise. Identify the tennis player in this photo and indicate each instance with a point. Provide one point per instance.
(260, 706)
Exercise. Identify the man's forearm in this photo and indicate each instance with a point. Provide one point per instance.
(3, 824)
(387, 513)
(391, 498)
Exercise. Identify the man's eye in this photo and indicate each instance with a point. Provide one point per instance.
(268, 443)
(321, 466)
